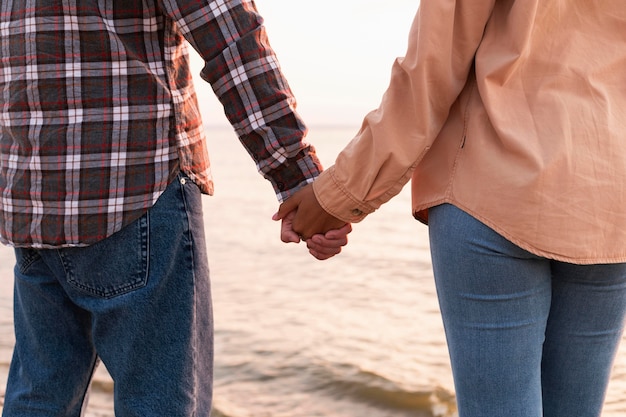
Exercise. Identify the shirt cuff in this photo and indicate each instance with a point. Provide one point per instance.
(294, 174)
(337, 201)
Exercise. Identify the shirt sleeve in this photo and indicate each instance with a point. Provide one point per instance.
(379, 161)
(245, 75)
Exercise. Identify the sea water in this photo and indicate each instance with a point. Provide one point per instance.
(357, 335)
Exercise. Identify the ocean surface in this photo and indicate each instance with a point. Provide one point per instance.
(357, 335)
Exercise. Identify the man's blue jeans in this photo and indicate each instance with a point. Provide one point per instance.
(139, 300)
(528, 336)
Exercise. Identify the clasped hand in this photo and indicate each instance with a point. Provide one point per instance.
(303, 218)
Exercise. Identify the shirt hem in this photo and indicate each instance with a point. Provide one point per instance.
(420, 212)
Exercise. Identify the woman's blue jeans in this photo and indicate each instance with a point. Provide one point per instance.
(527, 336)
(139, 300)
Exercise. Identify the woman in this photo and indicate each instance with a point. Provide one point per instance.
(509, 116)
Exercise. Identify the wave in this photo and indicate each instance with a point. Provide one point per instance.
(349, 382)
(215, 412)
(102, 385)
(305, 387)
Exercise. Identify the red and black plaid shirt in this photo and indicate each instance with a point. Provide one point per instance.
(98, 112)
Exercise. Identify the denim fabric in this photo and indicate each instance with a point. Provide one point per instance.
(139, 300)
(527, 336)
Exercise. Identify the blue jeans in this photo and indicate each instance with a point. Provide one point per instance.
(527, 336)
(139, 300)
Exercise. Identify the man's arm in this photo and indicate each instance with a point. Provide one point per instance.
(245, 75)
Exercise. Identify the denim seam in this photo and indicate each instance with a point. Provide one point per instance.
(195, 302)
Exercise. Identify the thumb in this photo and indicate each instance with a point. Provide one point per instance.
(287, 207)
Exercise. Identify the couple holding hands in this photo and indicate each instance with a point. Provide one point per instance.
(506, 116)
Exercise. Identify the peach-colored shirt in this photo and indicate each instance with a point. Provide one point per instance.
(513, 111)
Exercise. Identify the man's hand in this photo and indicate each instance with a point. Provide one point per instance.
(309, 219)
(287, 233)
(321, 246)
(328, 235)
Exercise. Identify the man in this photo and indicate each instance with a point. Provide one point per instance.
(103, 160)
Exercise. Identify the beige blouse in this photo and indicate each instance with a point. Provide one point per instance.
(513, 111)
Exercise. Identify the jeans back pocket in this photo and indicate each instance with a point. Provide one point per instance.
(113, 266)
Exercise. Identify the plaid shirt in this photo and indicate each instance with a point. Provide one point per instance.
(98, 112)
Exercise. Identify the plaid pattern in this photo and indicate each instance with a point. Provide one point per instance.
(98, 112)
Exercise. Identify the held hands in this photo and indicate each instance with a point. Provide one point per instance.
(303, 218)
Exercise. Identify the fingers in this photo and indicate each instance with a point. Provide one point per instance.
(287, 234)
(303, 218)
(341, 233)
(329, 244)
(288, 206)
(286, 212)
(322, 256)
(322, 252)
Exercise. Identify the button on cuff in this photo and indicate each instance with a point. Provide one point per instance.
(357, 212)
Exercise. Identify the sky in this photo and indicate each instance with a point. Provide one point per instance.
(336, 55)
